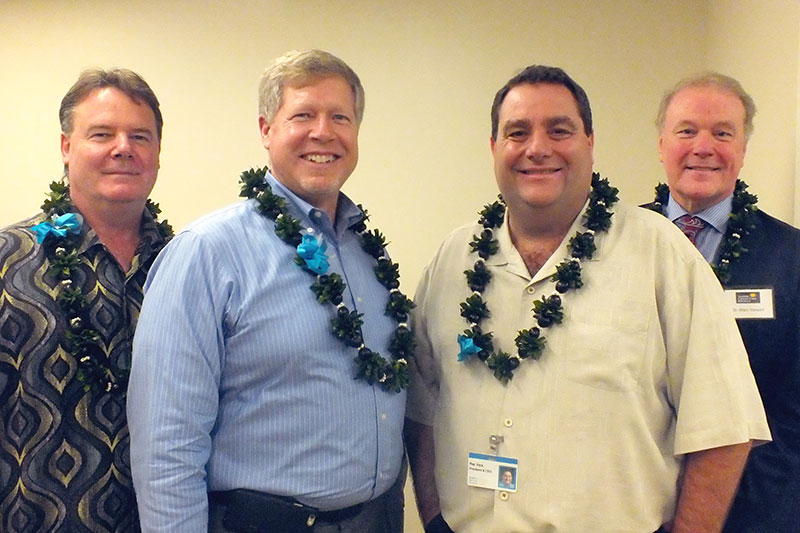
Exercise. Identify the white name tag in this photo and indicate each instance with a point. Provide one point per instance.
(492, 472)
(751, 303)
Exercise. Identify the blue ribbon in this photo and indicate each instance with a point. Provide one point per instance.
(468, 348)
(313, 253)
(60, 226)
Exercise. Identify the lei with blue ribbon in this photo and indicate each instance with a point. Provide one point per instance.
(311, 256)
(547, 311)
(59, 227)
(60, 238)
(313, 253)
(741, 222)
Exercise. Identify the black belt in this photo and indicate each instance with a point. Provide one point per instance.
(251, 511)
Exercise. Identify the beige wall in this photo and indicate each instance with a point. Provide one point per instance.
(756, 42)
(430, 69)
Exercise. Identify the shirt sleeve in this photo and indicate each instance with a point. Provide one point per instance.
(424, 386)
(173, 393)
(711, 386)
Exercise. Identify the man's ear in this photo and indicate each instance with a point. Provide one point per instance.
(65, 147)
(263, 127)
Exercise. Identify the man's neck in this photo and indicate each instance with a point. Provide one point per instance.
(118, 227)
(537, 236)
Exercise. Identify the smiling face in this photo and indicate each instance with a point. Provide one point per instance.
(542, 156)
(313, 140)
(508, 478)
(112, 152)
(702, 145)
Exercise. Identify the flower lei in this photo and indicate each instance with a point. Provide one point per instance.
(741, 222)
(60, 237)
(328, 288)
(548, 310)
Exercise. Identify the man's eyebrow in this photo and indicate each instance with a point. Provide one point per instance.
(726, 124)
(721, 124)
(562, 120)
(517, 123)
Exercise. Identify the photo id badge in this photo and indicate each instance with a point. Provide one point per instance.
(751, 303)
(492, 472)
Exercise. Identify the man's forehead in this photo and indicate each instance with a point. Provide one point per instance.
(543, 95)
(105, 95)
(695, 99)
(551, 103)
(99, 106)
(309, 80)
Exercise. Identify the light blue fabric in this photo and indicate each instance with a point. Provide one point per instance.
(238, 382)
(716, 219)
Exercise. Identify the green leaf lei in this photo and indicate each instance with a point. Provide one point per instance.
(548, 310)
(328, 288)
(81, 340)
(741, 222)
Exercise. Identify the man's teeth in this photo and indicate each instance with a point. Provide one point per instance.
(319, 158)
(541, 171)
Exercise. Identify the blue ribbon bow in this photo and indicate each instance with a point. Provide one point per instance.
(468, 348)
(313, 253)
(60, 226)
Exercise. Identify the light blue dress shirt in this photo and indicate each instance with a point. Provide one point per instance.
(716, 219)
(238, 382)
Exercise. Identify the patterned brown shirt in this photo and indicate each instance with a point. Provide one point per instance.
(64, 451)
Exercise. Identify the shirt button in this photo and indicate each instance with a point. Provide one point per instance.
(383, 416)
(508, 422)
(317, 214)
(503, 495)
(359, 299)
(531, 290)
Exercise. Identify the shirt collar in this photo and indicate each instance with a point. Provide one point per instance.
(150, 240)
(347, 212)
(715, 216)
(509, 255)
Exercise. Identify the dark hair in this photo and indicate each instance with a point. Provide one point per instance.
(536, 74)
(125, 80)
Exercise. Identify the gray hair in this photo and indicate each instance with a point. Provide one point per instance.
(716, 80)
(127, 81)
(299, 66)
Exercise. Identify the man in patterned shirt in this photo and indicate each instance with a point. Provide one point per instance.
(70, 292)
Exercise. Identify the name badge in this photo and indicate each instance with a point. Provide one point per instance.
(492, 472)
(751, 303)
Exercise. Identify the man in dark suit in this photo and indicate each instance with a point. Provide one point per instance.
(704, 123)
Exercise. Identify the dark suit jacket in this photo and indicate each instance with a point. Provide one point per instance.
(768, 499)
(769, 495)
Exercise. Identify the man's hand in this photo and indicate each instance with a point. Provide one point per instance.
(438, 525)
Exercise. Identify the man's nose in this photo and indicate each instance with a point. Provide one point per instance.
(122, 147)
(703, 144)
(539, 146)
(323, 128)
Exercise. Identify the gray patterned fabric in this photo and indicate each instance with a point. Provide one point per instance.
(64, 451)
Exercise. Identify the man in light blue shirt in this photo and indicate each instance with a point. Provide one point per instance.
(267, 388)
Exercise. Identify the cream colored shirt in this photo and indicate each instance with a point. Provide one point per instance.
(648, 365)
